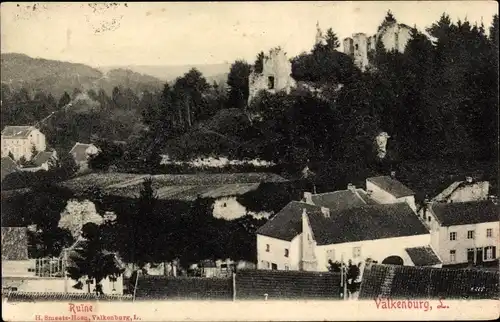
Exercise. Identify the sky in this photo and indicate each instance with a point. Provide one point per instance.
(185, 33)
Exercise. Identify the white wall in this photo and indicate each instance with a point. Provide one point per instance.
(379, 194)
(472, 192)
(388, 37)
(276, 252)
(384, 197)
(377, 249)
(17, 268)
(229, 208)
(443, 244)
(58, 285)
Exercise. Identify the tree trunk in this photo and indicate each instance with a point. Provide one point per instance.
(188, 111)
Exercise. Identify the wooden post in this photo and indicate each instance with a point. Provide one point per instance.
(135, 287)
(64, 264)
(234, 286)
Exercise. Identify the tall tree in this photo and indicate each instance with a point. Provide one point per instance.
(237, 81)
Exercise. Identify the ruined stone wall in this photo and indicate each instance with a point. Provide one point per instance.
(276, 75)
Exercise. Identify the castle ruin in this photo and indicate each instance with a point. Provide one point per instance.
(276, 75)
(394, 36)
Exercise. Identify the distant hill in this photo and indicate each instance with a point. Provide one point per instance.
(212, 72)
(53, 76)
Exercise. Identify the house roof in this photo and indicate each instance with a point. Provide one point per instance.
(14, 243)
(338, 200)
(392, 186)
(446, 193)
(409, 282)
(423, 256)
(80, 151)
(464, 213)
(8, 166)
(346, 225)
(366, 223)
(17, 132)
(43, 157)
(287, 223)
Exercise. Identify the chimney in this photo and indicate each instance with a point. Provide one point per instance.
(468, 179)
(393, 174)
(351, 187)
(326, 212)
(308, 198)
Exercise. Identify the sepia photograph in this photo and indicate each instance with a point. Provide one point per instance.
(250, 161)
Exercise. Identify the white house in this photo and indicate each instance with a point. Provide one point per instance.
(81, 153)
(20, 140)
(343, 225)
(386, 189)
(464, 232)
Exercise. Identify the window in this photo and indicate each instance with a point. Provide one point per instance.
(270, 82)
(470, 255)
(274, 266)
(286, 252)
(489, 232)
(356, 252)
(489, 253)
(356, 46)
(470, 234)
(453, 256)
(429, 218)
(453, 236)
(330, 255)
(268, 248)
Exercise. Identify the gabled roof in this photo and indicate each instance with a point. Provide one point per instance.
(392, 186)
(43, 157)
(446, 193)
(287, 223)
(338, 200)
(80, 151)
(8, 166)
(17, 132)
(368, 222)
(14, 243)
(423, 256)
(465, 213)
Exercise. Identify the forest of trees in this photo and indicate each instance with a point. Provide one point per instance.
(437, 100)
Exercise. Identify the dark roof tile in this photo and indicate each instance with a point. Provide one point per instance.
(408, 282)
(423, 256)
(366, 223)
(464, 213)
(338, 200)
(394, 187)
(287, 223)
(43, 157)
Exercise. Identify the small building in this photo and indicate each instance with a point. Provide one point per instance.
(464, 191)
(81, 153)
(208, 268)
(8, 166)
(45, 159)
(20, 140)
(386, 189)
(464, 232)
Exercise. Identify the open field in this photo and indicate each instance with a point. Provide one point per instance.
(178, 187)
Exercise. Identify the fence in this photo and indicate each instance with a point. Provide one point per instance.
(49, 267)
(61, 297)
(245, 285)
(389, 281)
(183, 288)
